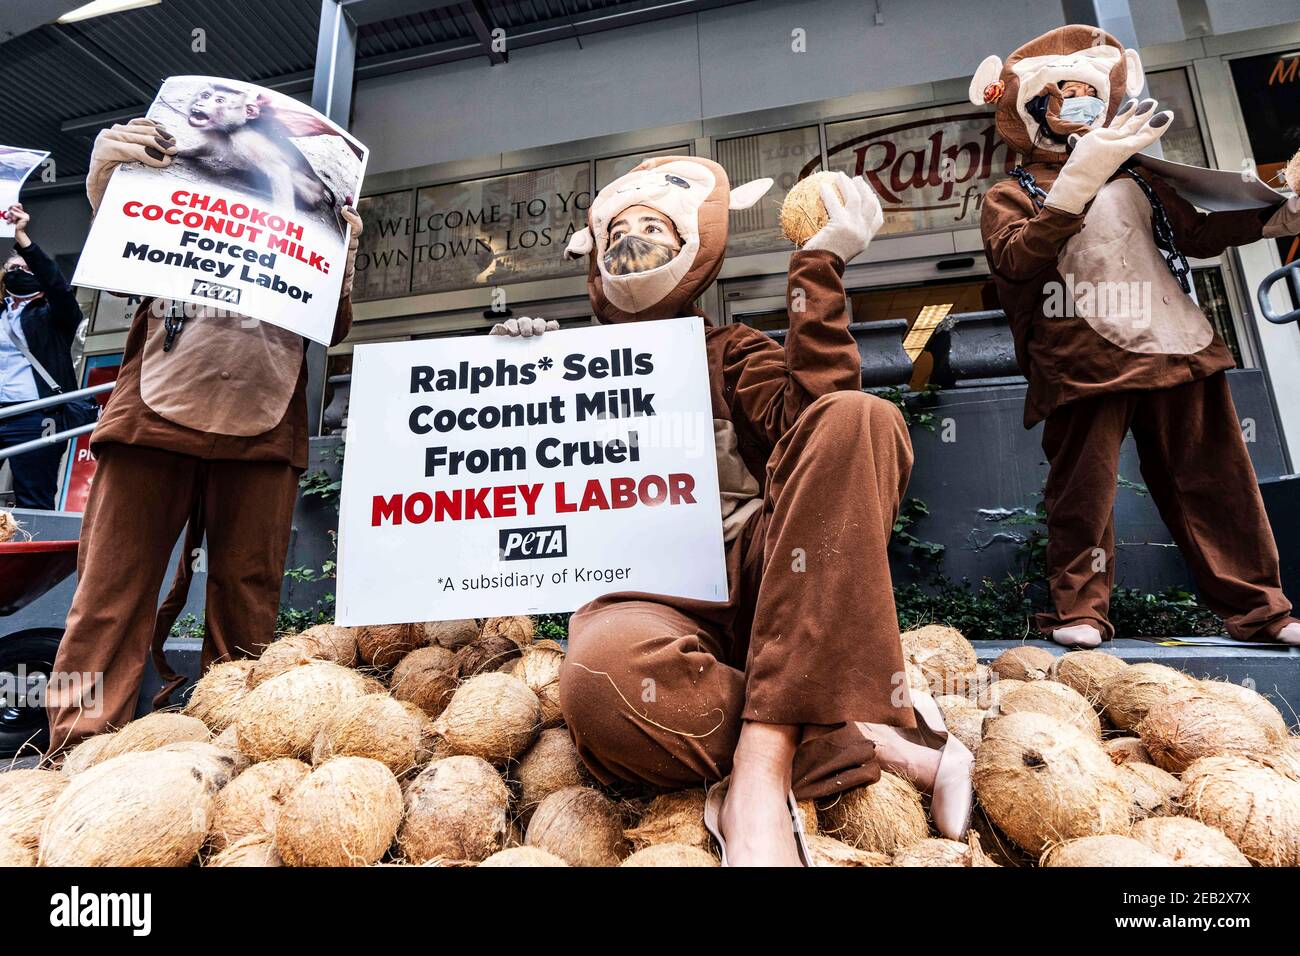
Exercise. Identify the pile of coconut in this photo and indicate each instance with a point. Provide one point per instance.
(443, 744)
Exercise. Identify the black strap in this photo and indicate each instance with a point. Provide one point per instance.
(173, 323)
(1164, 233)
(1029, 185)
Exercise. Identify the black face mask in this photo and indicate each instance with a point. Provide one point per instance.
(20, 282)
(634, 253)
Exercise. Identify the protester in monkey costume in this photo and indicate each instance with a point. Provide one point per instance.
(1084, 206)
(796, 682)
(207, 423)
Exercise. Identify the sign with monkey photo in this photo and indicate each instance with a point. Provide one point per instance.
(15, 166)
(495, 475)
(246, 218)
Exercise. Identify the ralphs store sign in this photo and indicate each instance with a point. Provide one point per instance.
(930, 168)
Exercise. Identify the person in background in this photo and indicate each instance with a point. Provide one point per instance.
(39, 317)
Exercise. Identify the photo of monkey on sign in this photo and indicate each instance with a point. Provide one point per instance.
(263, 142)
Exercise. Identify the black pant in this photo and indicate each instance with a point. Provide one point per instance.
(36, 473)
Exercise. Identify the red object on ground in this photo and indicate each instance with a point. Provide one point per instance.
(30, 568)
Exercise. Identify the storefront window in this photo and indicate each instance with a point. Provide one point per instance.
(383, 267)
(497, 230)
(1183, 143)
(784, 156)
(929, 167)
(1212, 295)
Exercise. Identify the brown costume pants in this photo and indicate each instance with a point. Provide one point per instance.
(139, 502)
(1196, 466)
(654, 688)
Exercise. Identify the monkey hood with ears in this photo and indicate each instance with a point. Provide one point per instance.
(696, 196)
(1082, 53)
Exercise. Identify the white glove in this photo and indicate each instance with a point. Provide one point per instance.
(1095, 157)
(525, 327)
(853, 220)
(139, 141)
(353, 219)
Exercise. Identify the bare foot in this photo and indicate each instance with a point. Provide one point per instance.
(755, 818)
(1290, 634)
(902, 751)
(1077, 635)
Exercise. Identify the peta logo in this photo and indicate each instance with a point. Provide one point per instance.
(521, 544)
(212, 290)
(76, 909)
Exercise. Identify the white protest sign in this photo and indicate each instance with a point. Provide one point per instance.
(245, 218)
(492, 475)
(15, 166)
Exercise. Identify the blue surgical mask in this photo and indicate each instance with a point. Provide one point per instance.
(1083, 110)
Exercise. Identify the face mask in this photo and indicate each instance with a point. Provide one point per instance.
(21, 283)
(1083, 110)
(633, 254)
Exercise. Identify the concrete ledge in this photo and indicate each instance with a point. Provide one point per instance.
(1273, 671)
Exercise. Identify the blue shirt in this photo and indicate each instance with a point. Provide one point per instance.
(17, 379)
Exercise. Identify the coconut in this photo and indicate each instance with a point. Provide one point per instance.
(456, 809)
(1257, 807)
(282, 716)
(1105, 850)
(493, 716)
(671, 854)
(343, 813)
(943, 656)
(807, 810)
(519, 629)
(550, 764)
(1026, 662)
(828, 851)
(383, 645)
(491, 652)
(539, 668)
(257, 849)
(216, 697)
(1292, 173)
(451, 634)
(9, 526)
(803, 213)
(86, 754)
(374, 726)
(882, 816)
(334, 643)
(935, 851)
(995, 844)
(15, 853)
(523, 856)
(1056, 700)
(1128, 695)
(1255, 705)
(283, 655)
(221, 761)
(144, 808)
(1154, 792)
(998, 689)
(580, 825)
(1188, 842)
(425, 677)
(25, 800)
(250, 804)
(153, 731)
(1123, 750)
(676, 818)
(963, 718)
(1086, 671)
(1181, 729)
(1043, 781)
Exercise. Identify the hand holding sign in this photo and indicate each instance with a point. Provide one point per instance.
(15, 166)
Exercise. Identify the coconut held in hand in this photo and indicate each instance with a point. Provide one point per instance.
(803, 213)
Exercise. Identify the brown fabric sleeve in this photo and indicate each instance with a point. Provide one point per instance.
(342, 320)
(1020, 239)
(1203, 235)
(768, 387)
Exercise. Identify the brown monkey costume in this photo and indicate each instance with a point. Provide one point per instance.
(1067, 240)
(207, 426)
(812, 471)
